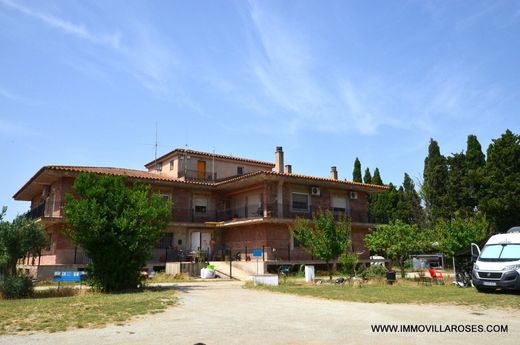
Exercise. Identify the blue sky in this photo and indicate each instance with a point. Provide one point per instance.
(84, 82)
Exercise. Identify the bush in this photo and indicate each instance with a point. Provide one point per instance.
(16, 287)
(348, 263)
(374, 272)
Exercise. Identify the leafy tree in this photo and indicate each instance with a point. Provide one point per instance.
(500, 190)
(434, 186)
(368, 177)
(376, 179)
(19, 238)
(458, 233)
(325, 238)
(397, 241)
(356, 174)
(117, 226)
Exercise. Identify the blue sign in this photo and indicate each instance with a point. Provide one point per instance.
(69, 276)
(257, 252)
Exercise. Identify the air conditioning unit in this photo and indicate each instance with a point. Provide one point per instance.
(315, 191)
(353, 195)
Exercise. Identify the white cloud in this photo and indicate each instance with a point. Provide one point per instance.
(80, 31)
(142, 52)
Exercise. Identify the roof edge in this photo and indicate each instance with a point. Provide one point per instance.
(210, 155)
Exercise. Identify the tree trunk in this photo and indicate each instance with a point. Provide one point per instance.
(401, 266)
(330, 269)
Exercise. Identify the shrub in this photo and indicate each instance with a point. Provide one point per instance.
(374, 272)
(16, 287)
(348, 263)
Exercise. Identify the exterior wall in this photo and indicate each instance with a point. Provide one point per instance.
(358, 243)
(269, 194)
(223, 168)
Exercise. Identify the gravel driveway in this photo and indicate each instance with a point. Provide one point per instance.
(226, 313)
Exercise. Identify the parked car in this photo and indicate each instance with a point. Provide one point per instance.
(498, 264)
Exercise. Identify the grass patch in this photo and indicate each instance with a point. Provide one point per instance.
(405, 291)
(54, 311)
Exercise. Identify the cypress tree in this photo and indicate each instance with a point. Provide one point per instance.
(501, 182)
(435, 176)
(376, 179)
(457, 186)
(475, 160)
(409, 209)
(367, 178)
(356, 174)
(383, 205)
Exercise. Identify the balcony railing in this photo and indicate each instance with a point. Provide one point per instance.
(190, 215)
(46, 210)
(258, 211)
(204, 176)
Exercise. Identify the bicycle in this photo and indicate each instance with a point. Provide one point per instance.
(463, 278)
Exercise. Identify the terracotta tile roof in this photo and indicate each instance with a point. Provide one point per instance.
(133, 173)
(211, 155)
(306, 177)
(144, 175)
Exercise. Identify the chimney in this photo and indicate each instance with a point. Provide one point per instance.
(288, 169)
(278, 160)
(333, 173)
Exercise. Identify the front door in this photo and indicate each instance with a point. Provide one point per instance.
(201, 169)
(201, 240)
(195, 240)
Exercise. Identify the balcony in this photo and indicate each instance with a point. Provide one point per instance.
(202, 176)
(257, 211)
(46, 210)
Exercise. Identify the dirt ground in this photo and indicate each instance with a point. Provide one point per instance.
(226, 313)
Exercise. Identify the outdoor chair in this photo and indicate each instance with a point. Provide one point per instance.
(436, 276)
(422, 279)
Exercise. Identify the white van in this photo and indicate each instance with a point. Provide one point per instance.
(498, 264)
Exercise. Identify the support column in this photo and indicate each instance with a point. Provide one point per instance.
(279, 198)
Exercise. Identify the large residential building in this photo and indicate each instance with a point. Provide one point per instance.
(222, 204)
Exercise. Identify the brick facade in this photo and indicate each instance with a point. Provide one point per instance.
(253, 211)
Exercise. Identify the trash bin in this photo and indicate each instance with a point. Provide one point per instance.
(390, 277)
(309, 273)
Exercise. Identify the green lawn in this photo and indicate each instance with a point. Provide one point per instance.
(88, 309)
(405, 291)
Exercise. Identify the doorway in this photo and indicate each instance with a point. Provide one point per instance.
(201, 169)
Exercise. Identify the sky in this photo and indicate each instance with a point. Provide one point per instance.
(88, 82)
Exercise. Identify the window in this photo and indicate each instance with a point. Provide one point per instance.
(240, 170)
(201, 205)
(171, 165)
(165, 197)
(300, 202)
(158, 167)
(339, 204)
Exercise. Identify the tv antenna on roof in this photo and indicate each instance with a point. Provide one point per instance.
(155, 145)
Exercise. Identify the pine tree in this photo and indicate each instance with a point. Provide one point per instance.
(367, 178)
(501, 182)
(434, 187)
(356, 174)
(376, 179)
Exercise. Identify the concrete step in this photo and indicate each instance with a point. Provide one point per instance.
(238, 272)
